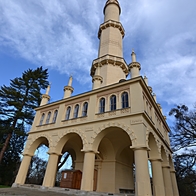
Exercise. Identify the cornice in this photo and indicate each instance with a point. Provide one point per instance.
(109, 59)
(135, 64)
(46, 96)
(97, 77)
(111, 23)
(70, 88)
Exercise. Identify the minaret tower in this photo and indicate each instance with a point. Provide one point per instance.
(110, 67)
(134, 66)
(45, 97)
(68, 90)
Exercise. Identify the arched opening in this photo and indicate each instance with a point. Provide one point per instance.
(67, 116)
(38, 163)
(125, 100)
(114, 163)
(102, 105)
(70, 147)
(55, 116)
(48, 118)
(84, 109)
(113, 103)
(76, 109)
(42, 119)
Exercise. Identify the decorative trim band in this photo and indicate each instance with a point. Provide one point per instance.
(135, 64)
(109, 59)
(111, 23)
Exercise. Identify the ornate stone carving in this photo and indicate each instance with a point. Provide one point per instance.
(111, 23)
(109, 59)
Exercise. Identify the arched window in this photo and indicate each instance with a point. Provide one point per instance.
(84, 109)
(55, 116)
(125, 100)
(112, 103)
(76, 109)
(42, 119)
(102, 105)
(68, 113)
(48, 118)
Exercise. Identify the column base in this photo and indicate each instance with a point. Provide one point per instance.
(15, 185)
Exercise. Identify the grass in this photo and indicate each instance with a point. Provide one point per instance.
(3, 186)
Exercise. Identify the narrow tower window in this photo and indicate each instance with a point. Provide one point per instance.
(68, 113)
(102, 105)
(48, 118)
(55, 116)
(42, 119)
(125, 100)
(84, 109)
(112, 103)
(76, 111)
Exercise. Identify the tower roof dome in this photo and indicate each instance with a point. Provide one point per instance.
(112, 2)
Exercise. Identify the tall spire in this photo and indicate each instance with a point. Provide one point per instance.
(112, 66)
(46, 96)
(68, 90)
(111, 31)
(134, 67)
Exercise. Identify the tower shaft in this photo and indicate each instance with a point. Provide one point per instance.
(112, 66)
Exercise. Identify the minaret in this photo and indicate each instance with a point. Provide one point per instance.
(134, 66)
(110, 65)
(45, 97)
(68, 90)
(97, 79)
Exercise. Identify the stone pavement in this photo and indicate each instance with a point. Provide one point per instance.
(32, 190)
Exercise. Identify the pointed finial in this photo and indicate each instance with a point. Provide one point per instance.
(70, 80)
(133, 55)
(155, 97)
(146, 80)
(48, 89)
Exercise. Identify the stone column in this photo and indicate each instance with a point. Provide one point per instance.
(157, 177)
(142, 181)
(50, 174)
(88, 171)
(24, 167)
(167, 180)
(174, 183)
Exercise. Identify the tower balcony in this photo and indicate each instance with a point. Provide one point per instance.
(109, 59)
(111, 23)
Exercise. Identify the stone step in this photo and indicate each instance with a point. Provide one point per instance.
(68, 191)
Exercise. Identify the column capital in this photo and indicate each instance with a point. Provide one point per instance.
(156, 159)
(54, 153)
(27, 154)
(166, 166)
(89, 151)
(140, 148)
(172, 171)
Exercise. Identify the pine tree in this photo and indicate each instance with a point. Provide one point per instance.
(183, 138)
(17, 103)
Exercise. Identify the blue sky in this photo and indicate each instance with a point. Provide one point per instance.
(62, 36)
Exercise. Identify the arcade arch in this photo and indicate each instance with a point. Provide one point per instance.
(27, 157)
(114, 163)
(70, 143)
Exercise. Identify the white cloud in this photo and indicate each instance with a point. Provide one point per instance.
(63, 35)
